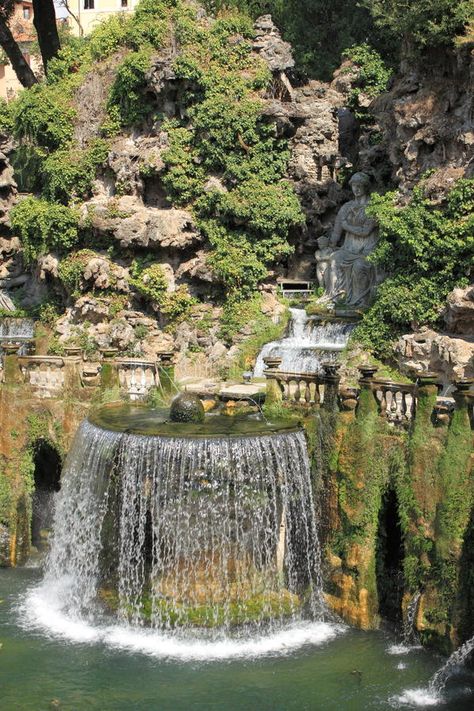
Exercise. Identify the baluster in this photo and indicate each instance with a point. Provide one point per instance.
(383, 401)
(404, 406)
(394, 403)
(297, 391)
(307, 392)
(317, 393)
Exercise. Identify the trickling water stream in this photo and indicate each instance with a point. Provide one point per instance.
(307, 344)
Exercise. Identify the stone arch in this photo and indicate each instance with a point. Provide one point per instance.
(47, 482)
(390, 553)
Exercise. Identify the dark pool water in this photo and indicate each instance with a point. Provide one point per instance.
(353, 670)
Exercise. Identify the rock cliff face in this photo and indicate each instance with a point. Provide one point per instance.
(426, 118)
(423, 122)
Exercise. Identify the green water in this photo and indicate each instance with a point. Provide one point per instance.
(353, 671)
(139, 419)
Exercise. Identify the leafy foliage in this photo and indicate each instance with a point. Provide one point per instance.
(424, 22)
(372, 76)
(428, 250)
(44, 226)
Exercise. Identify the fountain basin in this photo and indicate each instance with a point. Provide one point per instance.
(139, 419)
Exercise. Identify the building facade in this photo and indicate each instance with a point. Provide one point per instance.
(85, 15)
(21, 25)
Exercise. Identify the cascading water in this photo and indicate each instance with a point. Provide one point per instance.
(457, 659)
(307, 344)
(433, 694)
(196, 538)
(409, 632)
(16, 329)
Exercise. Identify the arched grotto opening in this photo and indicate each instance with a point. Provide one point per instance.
(47, 478)
(389, 562)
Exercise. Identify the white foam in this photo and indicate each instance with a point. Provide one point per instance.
(402, 665)
(416, 697)
(399, 649)
(42, 609)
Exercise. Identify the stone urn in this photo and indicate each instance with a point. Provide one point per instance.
(73, 351)
(463, 385)
(367, 372)
(10, 348)
(187, 407)
(166, 358)
(331, 370)
(108, 353)
(272, 363)
(428, 378)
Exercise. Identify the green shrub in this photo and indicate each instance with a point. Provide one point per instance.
(428, 250)
(127, 94)
(69, 173)
(71, 269)
(44, 115)
(44, 226)
(149, 280)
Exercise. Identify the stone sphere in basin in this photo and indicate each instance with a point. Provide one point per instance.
(187, 407)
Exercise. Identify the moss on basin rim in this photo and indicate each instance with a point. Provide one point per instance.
(256, 608)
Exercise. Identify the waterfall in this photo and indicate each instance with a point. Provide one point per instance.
(16, 329)
(178, 533)
(306, 345)
(409, 633)
(457, 659)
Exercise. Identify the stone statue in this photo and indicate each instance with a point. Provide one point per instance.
(351, 275)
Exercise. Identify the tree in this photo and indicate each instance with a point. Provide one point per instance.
(422, 23)
(10, 46)
(46, 29)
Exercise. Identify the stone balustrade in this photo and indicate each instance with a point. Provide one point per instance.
(51, 376)
(45, 374)
(137, 377)
(396, 402)
(299, 387)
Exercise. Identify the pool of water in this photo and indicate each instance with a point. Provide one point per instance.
(341, 669)
(140, 419)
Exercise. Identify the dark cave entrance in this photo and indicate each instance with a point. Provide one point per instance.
(47, 477)
(389, 563)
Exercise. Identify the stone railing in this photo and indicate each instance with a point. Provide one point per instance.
(45, 374)
(137, 377)
(396, 402)
(51, 376)
(299, 387)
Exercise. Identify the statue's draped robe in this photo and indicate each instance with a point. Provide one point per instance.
(351, 273)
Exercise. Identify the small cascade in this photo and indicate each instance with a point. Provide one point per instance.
(306, 345)
(457, 659)
(16, 330)
(184, 533)
(409, 630)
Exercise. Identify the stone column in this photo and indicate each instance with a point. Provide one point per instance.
(367, 400)
(11, 365)
(331, 386)
(109, 377)
(165, 367)
(72, 372)
(273, 392)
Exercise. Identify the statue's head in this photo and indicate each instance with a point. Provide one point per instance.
(323, 242)
(360, 184)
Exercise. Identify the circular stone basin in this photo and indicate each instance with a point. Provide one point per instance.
(142, 420)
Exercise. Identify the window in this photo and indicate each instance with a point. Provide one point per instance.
(88, 4)
(26, 12)
(124, 3)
